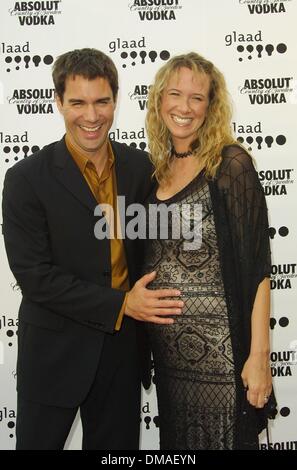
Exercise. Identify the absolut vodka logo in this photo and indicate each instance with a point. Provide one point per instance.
(36, 13)
(283, 445)
(283, 363)
(33, 100)
(282, 276)
(156, 10)
(265, 7)
(134, 52)
(139, 95)
(263, 91)
(276, 182)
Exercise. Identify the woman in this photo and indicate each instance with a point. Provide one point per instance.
(212, 367)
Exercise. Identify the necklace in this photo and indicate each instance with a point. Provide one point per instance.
(176, 154)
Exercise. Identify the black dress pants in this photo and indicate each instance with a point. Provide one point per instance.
(110, 414)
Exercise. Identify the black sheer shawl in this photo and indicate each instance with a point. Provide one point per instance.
(241, 220)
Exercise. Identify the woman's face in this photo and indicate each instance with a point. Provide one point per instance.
(184, 106)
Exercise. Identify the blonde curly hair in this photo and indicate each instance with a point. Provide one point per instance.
(212, 136)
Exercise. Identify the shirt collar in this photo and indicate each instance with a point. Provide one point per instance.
(82, 161)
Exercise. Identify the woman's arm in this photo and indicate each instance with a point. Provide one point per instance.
(256, 373)
(248, 227)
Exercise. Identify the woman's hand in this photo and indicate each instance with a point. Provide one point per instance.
(256, 377)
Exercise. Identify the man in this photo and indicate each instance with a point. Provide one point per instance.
(78, 342)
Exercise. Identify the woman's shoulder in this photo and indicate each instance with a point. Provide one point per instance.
(236, 160)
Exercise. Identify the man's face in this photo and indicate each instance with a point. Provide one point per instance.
(88, 111)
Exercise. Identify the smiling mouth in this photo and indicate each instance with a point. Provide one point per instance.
(90, 129)
(181, 121)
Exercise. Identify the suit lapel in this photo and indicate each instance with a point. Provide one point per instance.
(121, 169)
(68, 174)
(123, 177)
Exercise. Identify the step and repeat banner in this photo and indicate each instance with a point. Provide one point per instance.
(253, 42)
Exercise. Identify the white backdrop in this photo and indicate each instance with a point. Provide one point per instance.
(253, 42)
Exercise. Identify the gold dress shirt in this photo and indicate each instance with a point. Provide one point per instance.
(104, 189)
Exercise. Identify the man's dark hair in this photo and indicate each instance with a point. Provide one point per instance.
(89, 63)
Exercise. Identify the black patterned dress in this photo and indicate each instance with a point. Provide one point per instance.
(193, 358)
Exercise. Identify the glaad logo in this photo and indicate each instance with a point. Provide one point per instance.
(251, 134)
(276, 182)
(1, 353)
(283, 322)
(156, 10)
(147, 418)
(253, 47)
(10, 325)
(8, 415)
(282, 275)
(282, 231)
(140, 95)
(285, 411)
(36, 13)
(33, 101)
(136, 53)
(16, 146)
(264, 7)
(19, 57)
(267, 90)
(133, 138)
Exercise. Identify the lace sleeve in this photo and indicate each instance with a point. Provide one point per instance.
(246, 211)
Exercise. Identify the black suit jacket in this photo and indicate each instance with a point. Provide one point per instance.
(65, 272)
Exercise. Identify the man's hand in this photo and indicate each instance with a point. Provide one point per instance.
(151, 305)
